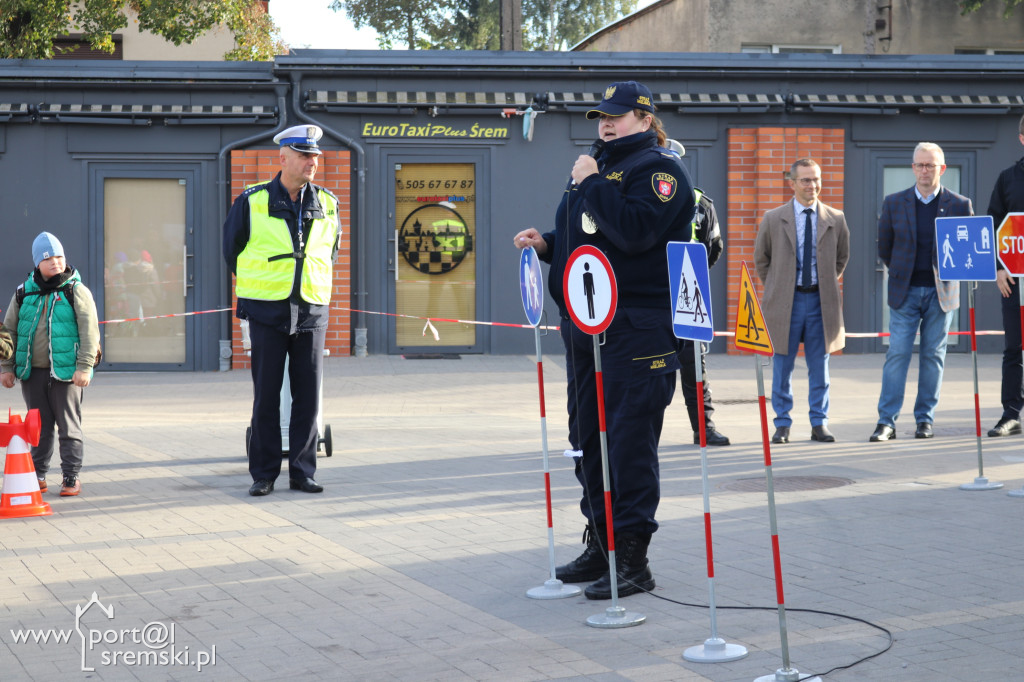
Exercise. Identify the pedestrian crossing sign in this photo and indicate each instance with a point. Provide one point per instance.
(751, 332)
(690, 287)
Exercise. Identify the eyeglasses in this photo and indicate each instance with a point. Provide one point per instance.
(925, 166)
(807, 182)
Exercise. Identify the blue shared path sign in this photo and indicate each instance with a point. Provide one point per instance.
(531, 285)
(966, 248)
(690, 289)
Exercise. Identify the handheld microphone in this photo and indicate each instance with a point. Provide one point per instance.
(595, 150)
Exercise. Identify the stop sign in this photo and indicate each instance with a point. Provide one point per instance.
(1010, 242)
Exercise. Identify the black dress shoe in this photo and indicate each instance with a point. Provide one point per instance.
(306, 485)
(882, 432)
(711, 437)
(261, 487)
(781, 435)
(924, 430)
(1005, 427)
(821, 434)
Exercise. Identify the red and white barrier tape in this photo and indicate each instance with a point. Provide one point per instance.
(160, 317)
(430, 320)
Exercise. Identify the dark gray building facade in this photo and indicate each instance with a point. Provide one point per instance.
(449, 154)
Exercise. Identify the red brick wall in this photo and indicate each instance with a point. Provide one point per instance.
(251, 166)
(759, 161)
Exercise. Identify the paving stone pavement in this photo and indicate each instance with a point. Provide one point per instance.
(414, 563)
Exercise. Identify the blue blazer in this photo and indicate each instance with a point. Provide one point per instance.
(897, 243)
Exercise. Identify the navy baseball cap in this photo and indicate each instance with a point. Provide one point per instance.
(302, 138)
(622, 98)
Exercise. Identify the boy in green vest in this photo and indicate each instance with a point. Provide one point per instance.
(55, 334)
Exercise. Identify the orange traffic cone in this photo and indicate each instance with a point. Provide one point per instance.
(21, 496)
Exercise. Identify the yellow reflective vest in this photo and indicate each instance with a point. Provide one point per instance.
(265, 270)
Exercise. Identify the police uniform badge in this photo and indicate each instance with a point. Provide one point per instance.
(664, 186)
(589, 224)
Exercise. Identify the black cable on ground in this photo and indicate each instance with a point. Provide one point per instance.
(753, 608)
(793, 610)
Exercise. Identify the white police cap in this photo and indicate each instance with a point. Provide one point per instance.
(676, 147)
(301, 138)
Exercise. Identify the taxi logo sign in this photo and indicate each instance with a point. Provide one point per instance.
(751, 331)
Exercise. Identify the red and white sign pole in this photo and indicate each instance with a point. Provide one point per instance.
(786, 673)
(553, 588)
(752, 335)
(714, 649)
(531, 287)
(591, 297)
(980, 482)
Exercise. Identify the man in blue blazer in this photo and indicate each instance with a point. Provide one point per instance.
(917, 297)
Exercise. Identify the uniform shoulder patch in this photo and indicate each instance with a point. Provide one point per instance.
(664, 185)
(253, 189)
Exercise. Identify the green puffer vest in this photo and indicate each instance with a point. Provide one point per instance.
(61, 327)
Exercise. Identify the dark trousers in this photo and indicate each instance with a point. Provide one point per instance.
(60, 409)
(1013, 367)
(305, 354)
(638, 374)
(688, 376)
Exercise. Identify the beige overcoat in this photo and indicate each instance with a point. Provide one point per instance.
(775, 260)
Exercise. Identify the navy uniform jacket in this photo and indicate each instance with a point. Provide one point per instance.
(640, 199)
(897, 243)
(1007, 196)
(293, 314)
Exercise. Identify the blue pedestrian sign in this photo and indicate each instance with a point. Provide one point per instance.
(531, 285)
(690, 289)
(966, 248)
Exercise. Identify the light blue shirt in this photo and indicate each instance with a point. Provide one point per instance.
(798, 219)
(927, 199)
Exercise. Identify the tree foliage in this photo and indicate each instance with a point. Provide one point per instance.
(559, 24)
(968, 6)
(29, 27)
(475, 24)
(410, 22)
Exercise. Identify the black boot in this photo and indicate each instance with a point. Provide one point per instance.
(634, 574)
(590, 565)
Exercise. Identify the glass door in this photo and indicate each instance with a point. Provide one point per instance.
(435, 257)
(146, 250)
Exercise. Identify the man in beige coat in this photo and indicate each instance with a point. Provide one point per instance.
(801, 251)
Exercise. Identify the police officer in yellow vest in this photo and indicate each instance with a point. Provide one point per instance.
(280, 240)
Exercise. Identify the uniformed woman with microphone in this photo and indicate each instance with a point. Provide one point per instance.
(628, 198)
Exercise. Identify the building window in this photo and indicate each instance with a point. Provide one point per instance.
(77, 47)
(985, 50)
(783, 49)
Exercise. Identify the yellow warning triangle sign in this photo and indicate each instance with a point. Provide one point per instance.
(751, 331)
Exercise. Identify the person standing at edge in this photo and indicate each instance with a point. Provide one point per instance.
(55, 330)
(917, 297)
(629, 202)
(1008, 197)
(280, 240)
(801, 250)
(705, 230)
